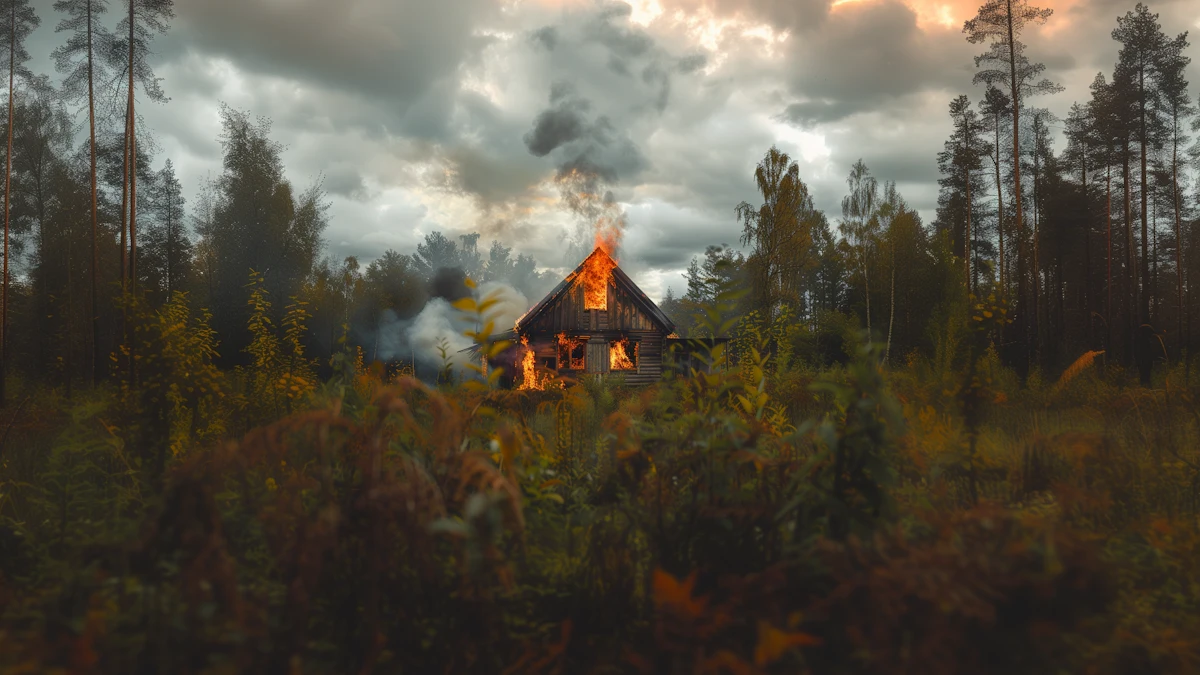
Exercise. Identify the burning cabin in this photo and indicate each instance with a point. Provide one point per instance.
(597, 321)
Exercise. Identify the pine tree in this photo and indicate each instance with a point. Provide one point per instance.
(168, 248)
(1172, 66)
(1001, 23)
(129, 53)
(1142, 48)
(962, 186)
(77, 60)
(19, 21)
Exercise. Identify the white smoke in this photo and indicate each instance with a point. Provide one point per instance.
(436, 337)
(511, 304)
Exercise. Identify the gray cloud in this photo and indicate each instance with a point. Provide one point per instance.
(881, 56)
(802, 16)
(401, 55)
(454, 115)
(346, 182)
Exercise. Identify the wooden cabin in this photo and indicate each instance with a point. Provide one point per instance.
(597, 321)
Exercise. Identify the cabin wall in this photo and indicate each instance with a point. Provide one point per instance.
(624, 317)
(545, 350)
(568, 315)
(650, 356)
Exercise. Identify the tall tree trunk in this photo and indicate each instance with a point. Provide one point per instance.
(1108, 245)
(1022, 314)
(1038, 326)
(967, 239)
(1178, 237)
(1147, 289)
(1154, 254)
(867, 288)
(132, 158)
(892, 313)
(1000, 209)
(124, 240)
(1145, 361)
(95, 374)
(125, 203)
(12, 66)
(70, 325)
(1087, 249)
(1039, 305)
(1131, 291)
(170, 247)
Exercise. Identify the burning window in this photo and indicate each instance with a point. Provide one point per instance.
(622, 355)
(572, 352)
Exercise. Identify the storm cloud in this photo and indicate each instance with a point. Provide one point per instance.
(470, 115)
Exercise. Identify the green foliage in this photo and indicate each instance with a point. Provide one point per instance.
(750, 516)
(280, 376)
(846, 489)
(171, 393)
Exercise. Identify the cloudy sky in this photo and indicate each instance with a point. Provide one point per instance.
(456, 115)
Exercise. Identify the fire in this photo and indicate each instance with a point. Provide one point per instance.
(529, 377)
(595, 275)
(619, 355)
(567, 355)
(584, 193)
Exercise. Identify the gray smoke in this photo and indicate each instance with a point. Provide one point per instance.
(439, 326)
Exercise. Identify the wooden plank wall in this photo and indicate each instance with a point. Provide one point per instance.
(622, 318)
(649, 363)
(568, 314)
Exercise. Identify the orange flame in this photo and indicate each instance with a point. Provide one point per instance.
(619, 355)
(566, 353)
(529, 376)
(584, 194)
(595, 276)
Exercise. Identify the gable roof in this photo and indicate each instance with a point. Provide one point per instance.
(619, 277)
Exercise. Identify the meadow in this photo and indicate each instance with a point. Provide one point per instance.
(929, 516)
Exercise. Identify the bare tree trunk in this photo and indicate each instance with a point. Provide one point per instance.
(1037, 267)
(867, 286)
(1145, 363)
(12, 55)
(96, 360)
(1016, 152)
(170, 247)
(892, 313)
(70, 324)
(1000, 209)
(1178, 240)
(1154, 254)
(1131, 268)
(1108, 244)
(132, 159)
(970, 207)
(125, 204)
(1147, 289)
(1087, 248)
(124, 240)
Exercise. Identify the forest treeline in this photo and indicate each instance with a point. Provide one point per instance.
(1094, 251)
(1091, 246)
(88, 220)
(883, 472)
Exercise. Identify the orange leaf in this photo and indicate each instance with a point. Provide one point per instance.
(774, 643)
(670, 593)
